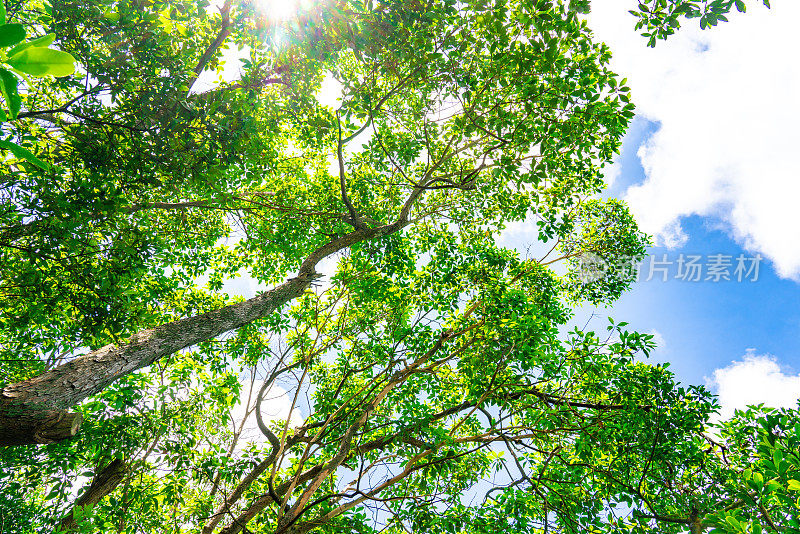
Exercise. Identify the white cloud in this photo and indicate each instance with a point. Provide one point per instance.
(726, 101)
(658, 339)
(756, 379)
(613, 171)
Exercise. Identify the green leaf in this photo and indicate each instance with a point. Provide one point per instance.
(111, 16)
(24, 153)
(732, 521)
(43, 42)
(8, 86)
(11, 34)
(43, 62)
(2, 13)
(794, 485)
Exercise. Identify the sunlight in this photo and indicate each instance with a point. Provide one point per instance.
(282, 10)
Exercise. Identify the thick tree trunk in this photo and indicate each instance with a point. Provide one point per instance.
(33, 411)
(103, 483)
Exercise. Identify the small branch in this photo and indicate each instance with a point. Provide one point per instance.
(225, 508)
(767, 517)
(664, 518)
(356, 222)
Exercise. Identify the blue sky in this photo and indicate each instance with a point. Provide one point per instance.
(706, 325)
(739, 338)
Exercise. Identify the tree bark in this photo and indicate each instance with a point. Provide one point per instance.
(33, 411)
(695, 522)
(45, 426)
(103, 483)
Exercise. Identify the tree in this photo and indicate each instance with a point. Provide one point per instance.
(81, 246)
(478, 130)
(432, 360)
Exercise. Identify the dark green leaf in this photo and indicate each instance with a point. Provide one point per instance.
(11, 34)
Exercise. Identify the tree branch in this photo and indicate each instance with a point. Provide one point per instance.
(214, 45)
(103, 483)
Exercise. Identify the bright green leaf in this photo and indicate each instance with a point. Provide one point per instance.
(43, 62)
(42, 42)
(8, 87)
(23, 153)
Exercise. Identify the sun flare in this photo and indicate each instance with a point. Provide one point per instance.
(282, 10)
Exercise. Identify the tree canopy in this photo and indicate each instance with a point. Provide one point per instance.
(427, 378)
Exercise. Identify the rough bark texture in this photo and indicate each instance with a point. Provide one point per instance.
(103, 483)
(46, 426)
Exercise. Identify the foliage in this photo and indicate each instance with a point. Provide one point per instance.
(429, 382)
(23, 59)
(760, 447)
(661, 18)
